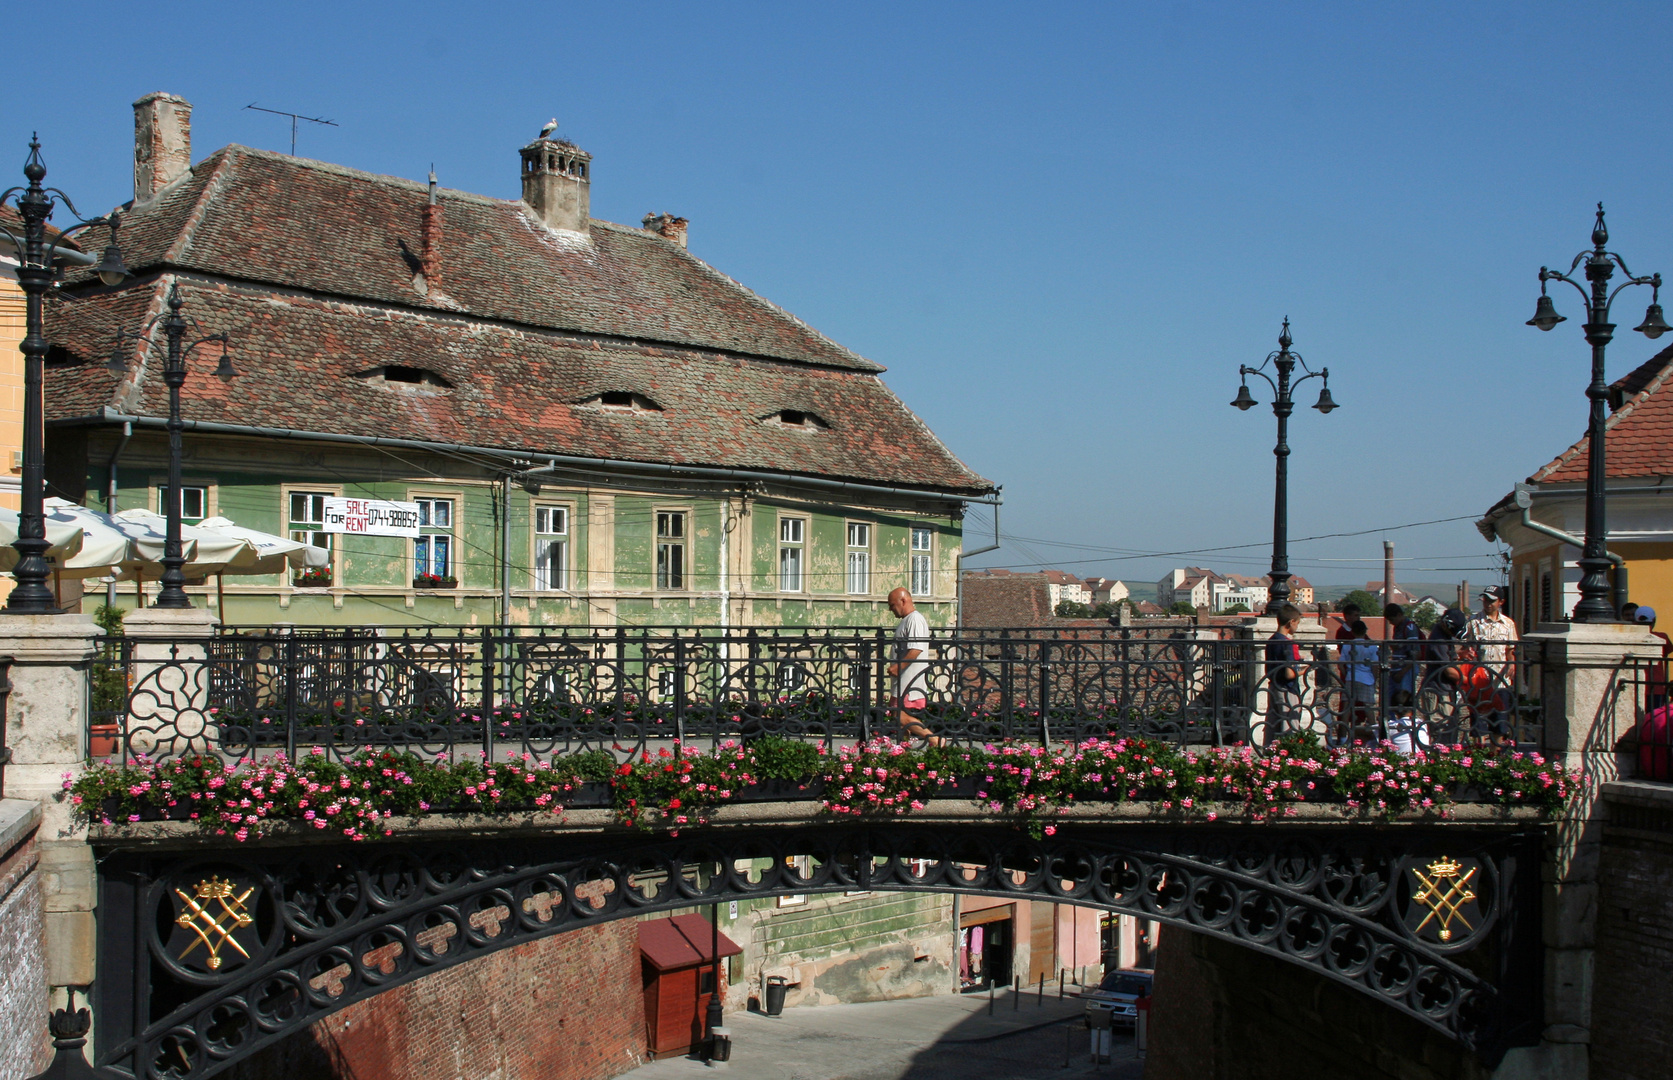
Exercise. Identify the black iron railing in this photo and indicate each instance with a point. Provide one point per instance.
(502, 690)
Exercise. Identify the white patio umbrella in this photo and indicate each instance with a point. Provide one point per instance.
(275, 554)
(63, 539)
(105, 542)
(206, 552)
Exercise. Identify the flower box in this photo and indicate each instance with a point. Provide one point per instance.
(771, 790)
(964, 787)
(591, 795)
(317, 578)
(112, 809)
(430, 581)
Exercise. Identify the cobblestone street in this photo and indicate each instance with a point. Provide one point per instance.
(936, 1038)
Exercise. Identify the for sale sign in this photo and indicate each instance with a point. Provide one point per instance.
(370, 517)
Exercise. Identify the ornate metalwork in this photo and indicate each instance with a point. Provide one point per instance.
(214, 912)
(348, 922)
(1443, 890)
(499, 690)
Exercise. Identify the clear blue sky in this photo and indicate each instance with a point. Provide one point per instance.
(1061, 226)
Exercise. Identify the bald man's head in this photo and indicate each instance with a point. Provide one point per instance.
(900, 602)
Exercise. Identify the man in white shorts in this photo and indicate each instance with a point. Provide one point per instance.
(909, 670)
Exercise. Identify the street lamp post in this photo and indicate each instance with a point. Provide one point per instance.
(35, 276)
(1284, 363)
(1594, 605)
(175, 328)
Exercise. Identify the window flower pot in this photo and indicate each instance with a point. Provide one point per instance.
(312, 579)
(430, 581)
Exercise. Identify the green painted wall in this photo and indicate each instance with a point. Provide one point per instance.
(249, 480)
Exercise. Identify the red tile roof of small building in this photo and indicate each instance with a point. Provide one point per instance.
(1638, 439)
(312, 270)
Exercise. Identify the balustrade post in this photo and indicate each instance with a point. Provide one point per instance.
(1007, 696)
(865, 694)
(1045, 693)
(488, 693)
(291, 670)
(753, 666)
(679, 688)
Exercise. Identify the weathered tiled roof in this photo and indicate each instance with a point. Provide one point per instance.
(312, 269)
(1638, 437)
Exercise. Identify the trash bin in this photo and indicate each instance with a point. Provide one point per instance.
(777, 987)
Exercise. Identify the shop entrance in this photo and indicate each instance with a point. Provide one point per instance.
(985, 944)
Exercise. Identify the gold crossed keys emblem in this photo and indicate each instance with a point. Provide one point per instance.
(1444, 891)
(213, 914)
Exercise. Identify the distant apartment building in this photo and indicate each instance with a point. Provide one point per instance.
(1105, 591)
(1301, 590)
(1061, 586)
(1192, 584)
(1235, 589)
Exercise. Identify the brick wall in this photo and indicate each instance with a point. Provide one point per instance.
(1225, 1012)
(1632, 996)
(25, 1047)
(567, 1007)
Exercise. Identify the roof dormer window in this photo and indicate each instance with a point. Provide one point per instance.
(404, 376)
(797, 418)
(623, 401)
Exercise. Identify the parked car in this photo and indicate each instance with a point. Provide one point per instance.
(1116, 996)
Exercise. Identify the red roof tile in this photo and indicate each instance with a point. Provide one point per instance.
(1638, 439)
(310, 268)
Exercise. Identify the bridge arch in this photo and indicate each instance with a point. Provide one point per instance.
(208, 955)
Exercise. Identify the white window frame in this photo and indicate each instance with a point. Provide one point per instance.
(204, 486)
(922, 567)
(545, 541)
(424, 547)
(669, 548)
(792, 553)
(856, 576)
(316, 537)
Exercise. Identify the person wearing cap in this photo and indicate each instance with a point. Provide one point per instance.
(1655, 731)
(1656, 683)
(1494, 633)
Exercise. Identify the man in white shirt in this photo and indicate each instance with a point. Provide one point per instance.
(1494, 633)
(909, 670)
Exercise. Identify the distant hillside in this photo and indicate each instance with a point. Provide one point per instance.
(1444, 591)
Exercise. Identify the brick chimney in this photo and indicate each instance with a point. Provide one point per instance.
(556, 183)
(431, 238)
(162, 142)
(667, 226)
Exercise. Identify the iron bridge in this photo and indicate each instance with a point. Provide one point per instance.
(207, 953)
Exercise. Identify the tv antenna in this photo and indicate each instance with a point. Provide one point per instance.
(294, 117)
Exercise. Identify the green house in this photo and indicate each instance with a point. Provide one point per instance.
(596, 426)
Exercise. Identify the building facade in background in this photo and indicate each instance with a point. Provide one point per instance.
(1544, 570)
(596, 426)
